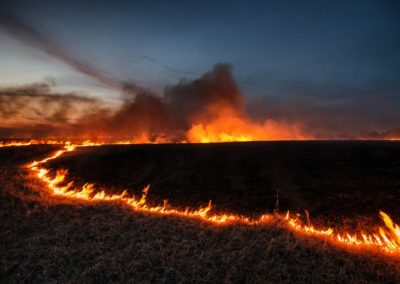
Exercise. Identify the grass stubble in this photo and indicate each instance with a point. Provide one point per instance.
(44, 238)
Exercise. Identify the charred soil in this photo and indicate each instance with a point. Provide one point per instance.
(45, 238)
(339, 183)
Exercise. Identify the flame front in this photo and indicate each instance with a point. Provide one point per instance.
(31, 142)
(87, 192)
(386, 239)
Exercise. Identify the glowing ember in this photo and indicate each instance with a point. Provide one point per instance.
(386, 239)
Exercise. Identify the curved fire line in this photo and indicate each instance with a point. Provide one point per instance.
(385, 240)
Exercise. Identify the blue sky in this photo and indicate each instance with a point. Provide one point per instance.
(273, 45)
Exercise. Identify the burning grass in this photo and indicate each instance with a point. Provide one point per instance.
(386, 240)
(342, 184)
(47, 238)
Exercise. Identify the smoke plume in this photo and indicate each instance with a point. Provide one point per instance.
(208, 109)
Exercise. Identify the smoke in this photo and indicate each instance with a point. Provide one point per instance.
(336, 111)
(194, 99)
(38, 103)
(210, 108)
(34, 38)
(142, 112)
(170, 115)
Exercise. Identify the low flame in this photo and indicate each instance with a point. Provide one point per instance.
(386, 239)
(88, 192)
(86, 143)
(31, 142)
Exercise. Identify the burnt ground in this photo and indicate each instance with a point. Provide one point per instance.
(340, 183)
(49, 239)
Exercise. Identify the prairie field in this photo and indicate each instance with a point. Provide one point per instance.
(45, 238)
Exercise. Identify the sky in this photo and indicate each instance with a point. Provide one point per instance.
(331, 51)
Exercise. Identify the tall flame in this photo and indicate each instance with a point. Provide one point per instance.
(221, 123)
(230, 126)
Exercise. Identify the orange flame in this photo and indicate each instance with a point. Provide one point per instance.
(386, 239)
(86, 143)
(230, 126)
(30, 142)
(87, 192)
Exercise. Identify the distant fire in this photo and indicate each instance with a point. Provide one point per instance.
(30, 142)
(386, 239)
(82, 143)
(208, 109)
(230, 126)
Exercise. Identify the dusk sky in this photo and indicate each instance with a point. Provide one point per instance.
(334, 52)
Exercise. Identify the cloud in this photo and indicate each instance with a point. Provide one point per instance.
(317, 110)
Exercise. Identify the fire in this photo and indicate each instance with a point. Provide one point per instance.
(386, 239)
(143, 139)
(30, 142)
(230, 126)
(88, 193)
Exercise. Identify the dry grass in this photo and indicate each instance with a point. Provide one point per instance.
(47, 239)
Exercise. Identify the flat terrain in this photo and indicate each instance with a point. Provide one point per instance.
(338, 182)
(44, 238)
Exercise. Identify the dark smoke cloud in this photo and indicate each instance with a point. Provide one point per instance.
(34, 131)
(35, 110)
(34, 38)
(40, 100)
(330, 111)
(144, 113)
(141, 113)
(173, 113)
(352, 114)
(191, 99)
